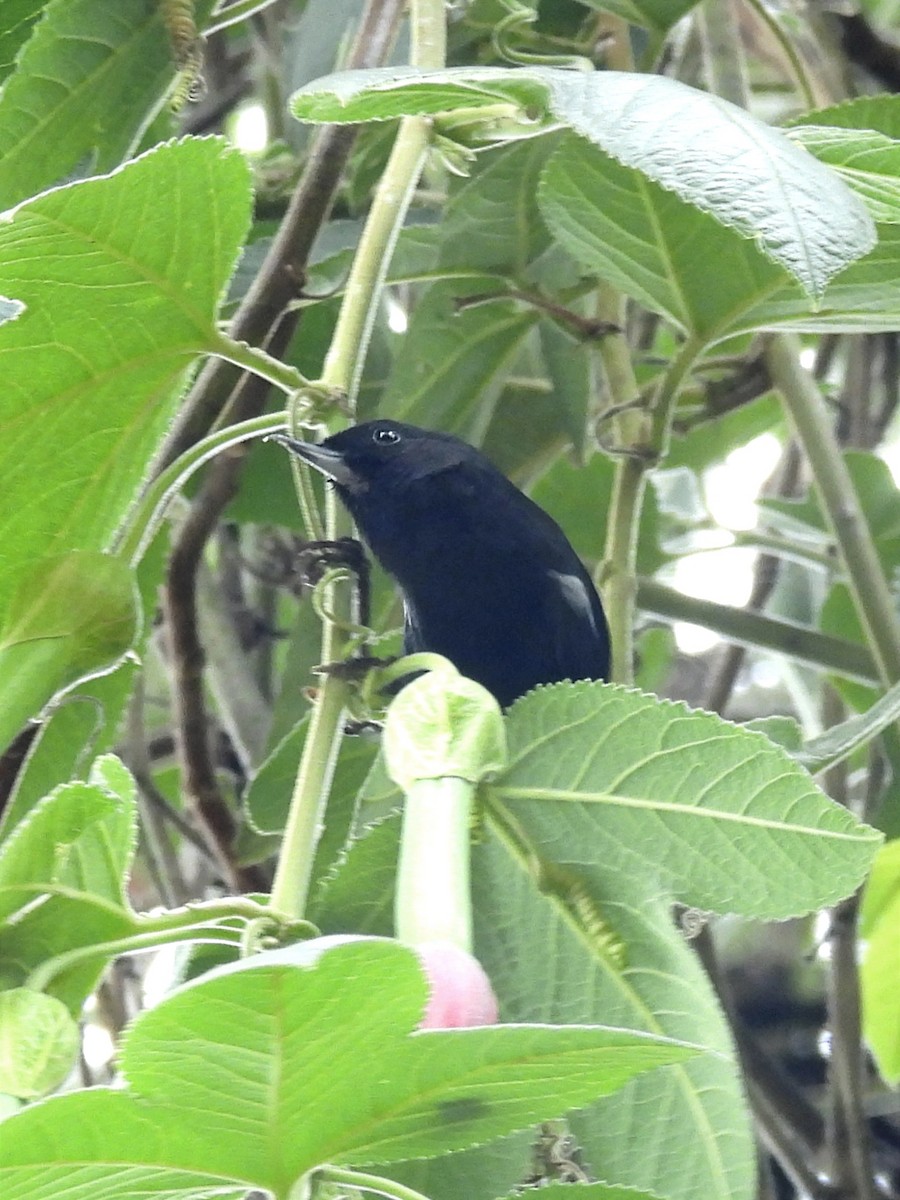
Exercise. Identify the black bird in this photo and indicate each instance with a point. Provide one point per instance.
(488, 579)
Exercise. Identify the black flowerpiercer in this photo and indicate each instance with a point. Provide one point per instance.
(488, 579)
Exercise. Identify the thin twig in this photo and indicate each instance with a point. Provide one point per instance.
(186, 664)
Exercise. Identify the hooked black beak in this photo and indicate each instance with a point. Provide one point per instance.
(330, 462)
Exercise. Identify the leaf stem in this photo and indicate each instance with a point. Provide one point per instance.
(369, 1183)
(631, 430)
(145, 519)
(341, 373)
(251, 358)
(642, 441)
(868, 585)
(44, 974)
(756, 630)
(786, 45)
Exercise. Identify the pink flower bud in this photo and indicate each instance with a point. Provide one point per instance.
(460, 992)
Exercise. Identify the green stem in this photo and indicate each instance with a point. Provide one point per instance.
(44, 974)
(346, 354)
(630, 433)
(198, 922)
(642, 442)
(369, 1183)
(341, 373)
(290, 888)
(145, 519)
(251, 358)
(868, 586)
(208, 912)
(757, 631)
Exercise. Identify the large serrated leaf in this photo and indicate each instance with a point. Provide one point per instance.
(881, 113)
(301, 1057)
(710, 153)
(16, 22)
(867, 161)
(652, 244)
(593, 944)
(81, 836)
(85, 85)
(120, 278)
(715, 815)
(73, 616)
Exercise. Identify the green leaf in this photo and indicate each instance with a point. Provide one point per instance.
(840, 741)
(63, 871)
(16, 22)
(652, 244)
(880, 112)
(39, 1043)
(72, 615)
(82, 836)
(864, 298)
(656, 15)
(103, 366)
(83, 723)
(85, 85)
(301, 1057)
(47, 925)
(588, 1191)
(359, 892)
(880, 968)
(710, 153)
(867, 161)
(451, 364)
(579, 497)
(480, 1174)
(715, 815)
(587, 943)
(492, 219)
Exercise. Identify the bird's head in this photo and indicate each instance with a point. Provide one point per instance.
(380, 455)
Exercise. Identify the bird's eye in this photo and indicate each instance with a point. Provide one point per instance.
(385, 437)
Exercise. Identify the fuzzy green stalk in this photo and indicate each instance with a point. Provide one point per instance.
(144, 520)
(642, 439)
(344, 1178)
(343, 367)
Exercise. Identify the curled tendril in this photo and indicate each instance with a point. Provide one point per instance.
(519, 17)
